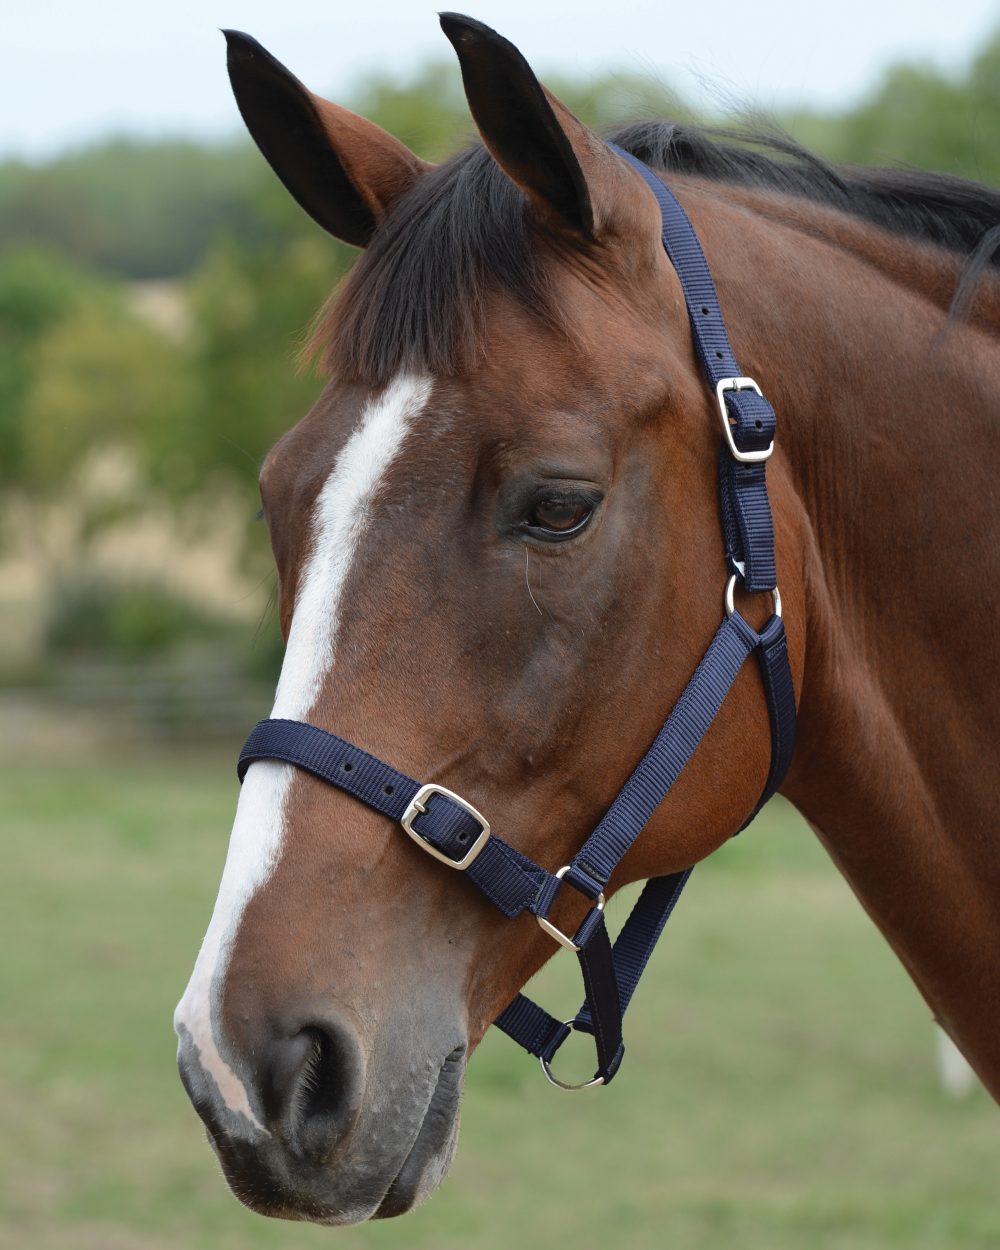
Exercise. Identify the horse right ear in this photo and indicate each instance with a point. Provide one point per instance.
(346, 172)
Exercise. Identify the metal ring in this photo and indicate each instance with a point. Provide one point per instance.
(548, 927)
(731, 597)
(554, 1080)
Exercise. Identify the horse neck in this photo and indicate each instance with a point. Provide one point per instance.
(887, 433)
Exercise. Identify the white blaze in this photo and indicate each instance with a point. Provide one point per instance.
(258, 832)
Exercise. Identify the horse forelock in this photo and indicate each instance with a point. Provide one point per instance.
(414, 301)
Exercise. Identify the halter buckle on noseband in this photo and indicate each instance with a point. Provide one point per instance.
(418, 805)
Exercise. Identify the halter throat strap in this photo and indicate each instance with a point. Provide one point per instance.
(449, 828)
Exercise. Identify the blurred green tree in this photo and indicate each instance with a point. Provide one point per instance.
(250, 309)
(920, 116)
(101, 377)
(37, 290)
(137, 209)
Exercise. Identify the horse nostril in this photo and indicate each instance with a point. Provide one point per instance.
(312, 1087)
(317, 1090)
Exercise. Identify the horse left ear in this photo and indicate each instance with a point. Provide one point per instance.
(553, 157)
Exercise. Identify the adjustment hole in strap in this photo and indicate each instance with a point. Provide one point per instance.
(463, 837)
(705, 311)
(347, 766)
(759, 424)
(719, 355)
(388, 789)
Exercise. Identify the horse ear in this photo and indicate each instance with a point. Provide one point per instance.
(552, 156)
(346, 172)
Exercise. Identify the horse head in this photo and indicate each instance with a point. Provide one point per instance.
(499, 555)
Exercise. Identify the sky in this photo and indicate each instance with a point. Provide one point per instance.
(75, 70)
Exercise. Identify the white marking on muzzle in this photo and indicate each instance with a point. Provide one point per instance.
(258, 832)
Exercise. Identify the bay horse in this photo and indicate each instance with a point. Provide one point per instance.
(498, 545)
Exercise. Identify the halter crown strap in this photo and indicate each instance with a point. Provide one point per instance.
(450, 829)
(747, 419)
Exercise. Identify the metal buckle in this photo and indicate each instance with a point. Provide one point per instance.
(561, 937)
(739, 384)
(731, 597)
(554, 1080)
(418, 805)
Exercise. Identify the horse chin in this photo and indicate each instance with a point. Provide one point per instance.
(350, 1190)
(431, 1154)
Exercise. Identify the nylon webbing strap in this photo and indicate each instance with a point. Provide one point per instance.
(504, 875)
(673, 746)
(656, 772)
(451, 829)
(746, 512)
(779, 691)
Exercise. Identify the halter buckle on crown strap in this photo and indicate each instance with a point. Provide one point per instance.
(739, 384)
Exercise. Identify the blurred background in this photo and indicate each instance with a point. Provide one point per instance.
(155, 284)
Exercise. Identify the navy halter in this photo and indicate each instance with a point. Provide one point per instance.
(450, 829)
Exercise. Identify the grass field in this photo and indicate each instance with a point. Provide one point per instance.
(779, 1090)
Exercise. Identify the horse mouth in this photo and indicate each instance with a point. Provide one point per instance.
(273, 1183)
(433, 1148)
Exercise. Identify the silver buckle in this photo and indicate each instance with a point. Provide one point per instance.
(558, 934)
(418, 805)
(739, 384)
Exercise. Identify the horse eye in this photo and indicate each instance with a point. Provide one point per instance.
(559, 517)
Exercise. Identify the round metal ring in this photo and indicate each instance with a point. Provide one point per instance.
(731, 598)
(554, 1080)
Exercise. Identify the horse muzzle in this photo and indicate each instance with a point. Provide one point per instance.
(329, 1134)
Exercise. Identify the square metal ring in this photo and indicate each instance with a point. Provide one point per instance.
(549, 928)
(418, 805)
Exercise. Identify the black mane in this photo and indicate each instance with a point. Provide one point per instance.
(414, 299)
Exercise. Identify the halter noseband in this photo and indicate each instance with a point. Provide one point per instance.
(450, 829)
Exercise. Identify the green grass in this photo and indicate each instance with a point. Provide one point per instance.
(779, 1090)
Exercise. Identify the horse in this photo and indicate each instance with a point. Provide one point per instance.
(497, 540)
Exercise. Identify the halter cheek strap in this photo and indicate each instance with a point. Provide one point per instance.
(450, 829)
